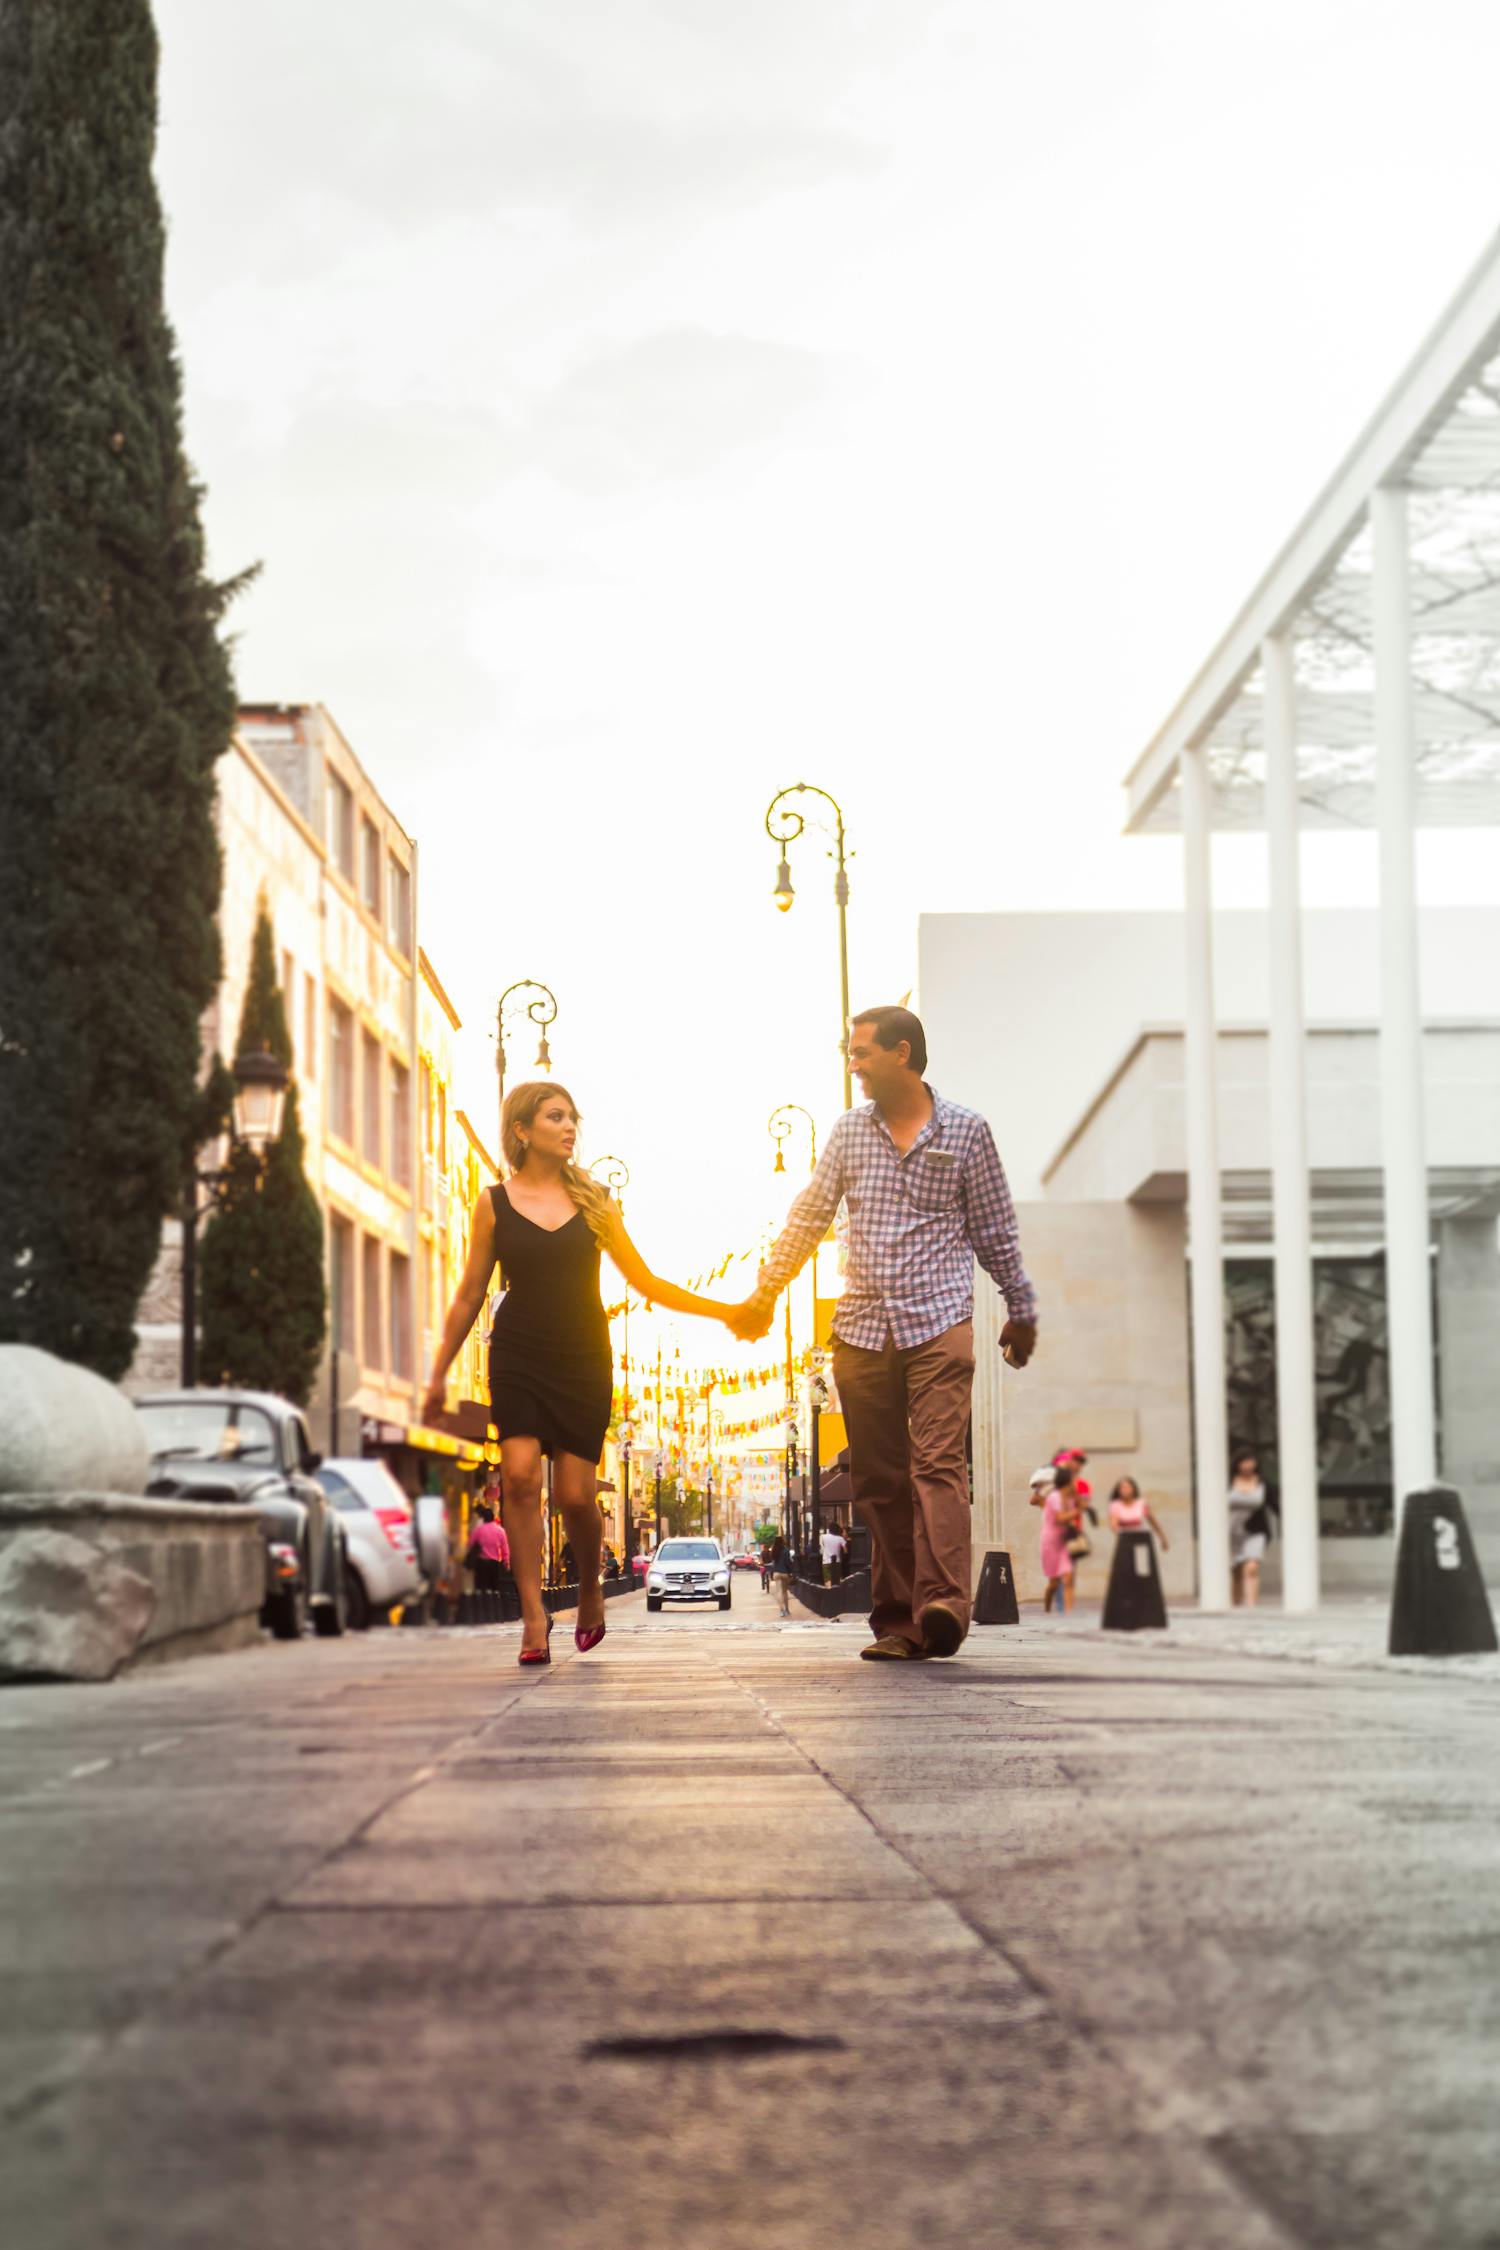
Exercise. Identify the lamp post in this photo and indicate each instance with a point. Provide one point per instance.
(260, 1084)
(542, 1011)
(780, 1125)
(613, 1173)
(784, 824)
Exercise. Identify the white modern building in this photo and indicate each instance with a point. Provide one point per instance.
(1359, 685)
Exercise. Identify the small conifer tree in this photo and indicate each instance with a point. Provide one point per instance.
(262, 1260)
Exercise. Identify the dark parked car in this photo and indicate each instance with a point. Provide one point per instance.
(253, 1449)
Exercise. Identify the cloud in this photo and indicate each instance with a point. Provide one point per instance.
(669, 406)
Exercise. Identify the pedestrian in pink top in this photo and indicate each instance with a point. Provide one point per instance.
(1052, 1492)
(1128, 1511)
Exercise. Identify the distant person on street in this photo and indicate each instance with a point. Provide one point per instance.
(492, 1550)
(765, 1565)
(830, 1546)
(1249, 1529)
(1130, 1511)
(781, 1574)
(925, 1196)
(1062, 1529)
(551, 1377)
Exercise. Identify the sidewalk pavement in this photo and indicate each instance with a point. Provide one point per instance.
(721, 1937)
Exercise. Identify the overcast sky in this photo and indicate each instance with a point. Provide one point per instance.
(637, 408)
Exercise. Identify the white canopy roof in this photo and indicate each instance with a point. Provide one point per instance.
(1438, 433)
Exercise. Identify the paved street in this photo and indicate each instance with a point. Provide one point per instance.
(721, 1937)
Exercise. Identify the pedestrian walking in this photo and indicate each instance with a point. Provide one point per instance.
(925, 1195)
(551, 1377)
(1130, 1511)
(765, 1565)
(491, 1550)
(841, 1559)
(781, 1574)
(830, 1546)
(1249, 1529)
(1063, 1540)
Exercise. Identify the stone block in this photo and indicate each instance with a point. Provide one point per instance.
(65, 1557)
(68, 1610)
(64, 1429)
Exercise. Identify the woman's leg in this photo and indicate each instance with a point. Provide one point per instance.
(1067, 1593)
(522, 1458)
(1236, 1584)
(1252, 1584)
(575, 1485)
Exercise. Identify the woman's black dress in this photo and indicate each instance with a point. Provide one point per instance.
(551, 1371)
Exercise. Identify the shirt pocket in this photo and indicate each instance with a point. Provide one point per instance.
(933, 1181)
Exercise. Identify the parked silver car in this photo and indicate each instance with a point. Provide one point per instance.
(377, 1517)
(688, 1570)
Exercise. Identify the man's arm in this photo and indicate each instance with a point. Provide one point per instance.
(996, 1243)
(807, 1223)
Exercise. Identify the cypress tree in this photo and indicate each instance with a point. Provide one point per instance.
(116, 698)
(262, 1260)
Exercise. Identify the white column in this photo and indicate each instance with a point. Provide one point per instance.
(1211, 1435)
(1408, 1278)
(1291, 1204)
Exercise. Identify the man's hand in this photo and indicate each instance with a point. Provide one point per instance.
(751, 1320)
(434, 1402)
(1018, 1341)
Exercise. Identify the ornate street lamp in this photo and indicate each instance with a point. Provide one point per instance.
(542, 1010)
(784, 824)
(260, 1084)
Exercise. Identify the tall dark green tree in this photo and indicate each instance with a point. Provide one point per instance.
(262, 1261)
(116, 698)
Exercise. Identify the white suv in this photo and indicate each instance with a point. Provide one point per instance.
(688, 1570)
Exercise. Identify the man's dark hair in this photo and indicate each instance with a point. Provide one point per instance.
(891, 1026)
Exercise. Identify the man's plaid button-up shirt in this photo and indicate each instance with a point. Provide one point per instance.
(916, 1224)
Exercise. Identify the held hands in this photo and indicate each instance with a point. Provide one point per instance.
(1018, 1342)
(750, 1320)
(434, 1402)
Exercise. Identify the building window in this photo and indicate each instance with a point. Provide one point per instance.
(400, 1363)
(369, 866)
(341, 1283)
(369, 1136)
(373, 1324)
(340, 1070)
(400, 1124)
(399, 880)
(309, 1028)
(341, 825)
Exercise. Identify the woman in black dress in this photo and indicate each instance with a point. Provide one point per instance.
(551, 1374)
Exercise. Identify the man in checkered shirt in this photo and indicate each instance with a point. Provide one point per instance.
(926, 1196)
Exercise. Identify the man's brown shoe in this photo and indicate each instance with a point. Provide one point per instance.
(942, 1630)
(892, 1648)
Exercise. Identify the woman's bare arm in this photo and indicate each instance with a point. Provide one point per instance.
(464, 1310)
(1156, 1527)
(650, 1285)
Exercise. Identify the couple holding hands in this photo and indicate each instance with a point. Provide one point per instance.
(926, 1195)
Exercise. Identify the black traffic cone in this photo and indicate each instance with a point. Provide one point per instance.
(1438, 1605)
(1133, 1602)
(995, 1601)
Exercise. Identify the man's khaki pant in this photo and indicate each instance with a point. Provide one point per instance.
(908, 1416)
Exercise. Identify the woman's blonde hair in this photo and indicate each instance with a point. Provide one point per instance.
(521, 1106)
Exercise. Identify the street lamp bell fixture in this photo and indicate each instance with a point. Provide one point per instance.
(260, 1084)
(785, 822)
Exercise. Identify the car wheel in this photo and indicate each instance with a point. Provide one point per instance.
(725, 1600)
(653, 1601)
(357, 1601)
(288, 1612)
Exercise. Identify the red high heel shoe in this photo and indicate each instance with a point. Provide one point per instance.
(584, 1641)
(542, 1655)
